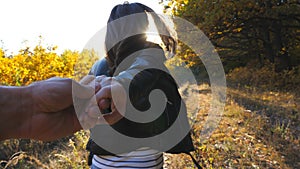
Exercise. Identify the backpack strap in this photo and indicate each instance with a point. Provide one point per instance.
(194, 160)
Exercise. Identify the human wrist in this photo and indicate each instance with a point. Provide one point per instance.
(51, 95)
(27, 110)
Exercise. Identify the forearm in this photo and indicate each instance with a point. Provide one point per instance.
(15, 106)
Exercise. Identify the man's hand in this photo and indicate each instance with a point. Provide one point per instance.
(45, 110)
(51, 95)
(52, 114)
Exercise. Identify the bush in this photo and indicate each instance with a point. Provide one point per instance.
(34, 65)
(265, 77)
(41, 63)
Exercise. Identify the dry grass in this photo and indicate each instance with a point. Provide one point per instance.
(65, 153)
(259, 129)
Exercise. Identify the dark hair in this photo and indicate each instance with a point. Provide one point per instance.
(117, 52)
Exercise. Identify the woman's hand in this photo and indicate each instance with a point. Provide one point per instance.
(111, 95)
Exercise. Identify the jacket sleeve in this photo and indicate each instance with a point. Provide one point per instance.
(100, 68)
(141, 76)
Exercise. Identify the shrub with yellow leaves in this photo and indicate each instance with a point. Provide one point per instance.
(34, 65)
(42, 63)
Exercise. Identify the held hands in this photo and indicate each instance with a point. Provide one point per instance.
(52, 113)
(107, 106)
(112, 95)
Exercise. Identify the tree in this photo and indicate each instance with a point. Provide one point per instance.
(242, 30)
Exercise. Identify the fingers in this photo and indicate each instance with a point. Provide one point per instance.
(99, 79)
(119, 98)
(104, 106)
(104, 93)
(86, 79)
(87, 86)
(110, 118)
(93, 117)
(89, 118)
(93, 112)
(112, 95)
(115, 93)
(82, 91)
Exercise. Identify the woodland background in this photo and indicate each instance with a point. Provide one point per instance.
(258, 42)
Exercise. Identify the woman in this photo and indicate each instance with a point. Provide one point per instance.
(138, 65)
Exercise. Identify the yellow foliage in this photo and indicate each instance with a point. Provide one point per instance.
(1, 53)
(41, 63)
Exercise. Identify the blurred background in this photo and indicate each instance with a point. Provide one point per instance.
(257, 41)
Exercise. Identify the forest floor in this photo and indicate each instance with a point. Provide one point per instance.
(258, 129)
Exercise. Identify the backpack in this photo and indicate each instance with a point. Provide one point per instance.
(140, 100)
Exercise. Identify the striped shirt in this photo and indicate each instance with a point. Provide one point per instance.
(141, 158)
